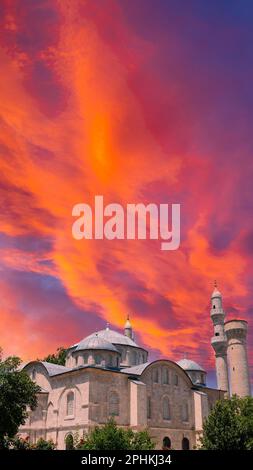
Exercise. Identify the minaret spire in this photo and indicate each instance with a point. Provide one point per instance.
(219, 340)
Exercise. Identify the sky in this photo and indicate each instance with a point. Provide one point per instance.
(147, 101)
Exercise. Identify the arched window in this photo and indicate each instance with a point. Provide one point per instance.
(166, 408)
(149, 407)
(175, 379)
(85, 358)
(69, 442)
(166, 443)
(110, 361)
(194, 377)
(97, 359)
(185, 443)
(155, 376)
(70, 403)
(185, 412)
(33, 374)
(165, 376)
(135, 358)
(114, 404)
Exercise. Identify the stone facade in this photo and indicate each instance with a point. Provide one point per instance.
(108, 374)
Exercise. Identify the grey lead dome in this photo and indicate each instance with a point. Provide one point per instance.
(187, 364)
(113, 337)
(95, 342)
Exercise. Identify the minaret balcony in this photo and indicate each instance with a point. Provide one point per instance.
(219, 343)
(218, 317)
(217, 311)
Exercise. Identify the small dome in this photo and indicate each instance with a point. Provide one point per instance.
(187, 364)
(95, 342)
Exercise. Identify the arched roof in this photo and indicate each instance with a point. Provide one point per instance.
(189, 365)
(52, 369)
(139, 369)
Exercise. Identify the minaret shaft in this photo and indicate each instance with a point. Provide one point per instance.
(236, 332)
(219, 341)
(222, 372)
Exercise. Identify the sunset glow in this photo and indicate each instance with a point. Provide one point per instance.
(145, 101)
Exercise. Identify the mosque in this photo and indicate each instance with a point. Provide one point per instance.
(108, 374)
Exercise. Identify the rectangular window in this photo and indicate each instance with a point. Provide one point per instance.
(185, 412)
(149, 408)
(166, 376)
(155, 376)
(166, 408)
(70, 404)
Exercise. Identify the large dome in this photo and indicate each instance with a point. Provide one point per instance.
(95, 342)
(187, 364)
(113, 337)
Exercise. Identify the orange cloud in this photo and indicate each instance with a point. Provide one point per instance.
(98, 137)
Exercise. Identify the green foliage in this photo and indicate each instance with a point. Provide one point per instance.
(42, 444)
(111, 437)
(17, 392)
(18, 443)
(142, 441)
(229, 426)
(58, 358)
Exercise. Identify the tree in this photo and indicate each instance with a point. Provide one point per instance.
(42, 444)
(58, 358)
(229, 426)
(19, 443)
(111, 437)
(17, 392)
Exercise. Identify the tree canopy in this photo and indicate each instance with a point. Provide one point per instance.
(112, 437)
(57, 358)
(18, 443)
(229, 426)
(17, 392)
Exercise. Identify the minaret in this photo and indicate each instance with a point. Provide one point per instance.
(219, 340)
(236, 332)
(128, 331)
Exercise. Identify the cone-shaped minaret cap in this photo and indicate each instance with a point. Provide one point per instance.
(216, 293)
